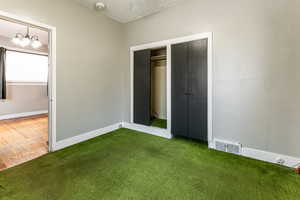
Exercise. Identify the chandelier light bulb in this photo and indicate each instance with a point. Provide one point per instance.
(17, 39)
(36, 42)
(25, 41)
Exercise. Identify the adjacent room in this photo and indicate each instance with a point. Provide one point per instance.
(24, 88)
(161, 99)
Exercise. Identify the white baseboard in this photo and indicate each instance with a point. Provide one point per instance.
(85, 136)
(266, 156)
(271, 157)
(247, 152)
(25, 114)
(92, 134)
(148, 129)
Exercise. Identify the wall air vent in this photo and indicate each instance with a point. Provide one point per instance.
(221, 146)
(228, 147)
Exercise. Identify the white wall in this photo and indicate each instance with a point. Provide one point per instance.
(24, 98)
(256, 66)
(89, 64)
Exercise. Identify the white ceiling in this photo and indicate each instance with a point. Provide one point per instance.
(9, 30)
(126, 11)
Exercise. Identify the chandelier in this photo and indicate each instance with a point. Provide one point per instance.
(27, 40)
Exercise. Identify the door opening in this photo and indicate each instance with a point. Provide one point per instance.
(159, 88)
(27, 100)
(150, 83)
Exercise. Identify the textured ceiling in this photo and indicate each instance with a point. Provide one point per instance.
(129, 10)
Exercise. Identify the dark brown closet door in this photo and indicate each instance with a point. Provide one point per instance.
(179, 89)
(189, 89)
(197, 106)
(142, 87)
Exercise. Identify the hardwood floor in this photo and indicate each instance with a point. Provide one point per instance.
(22, 140)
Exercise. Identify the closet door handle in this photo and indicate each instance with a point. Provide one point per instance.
(188, 93)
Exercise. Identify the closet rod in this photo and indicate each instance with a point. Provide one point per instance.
(157, 58)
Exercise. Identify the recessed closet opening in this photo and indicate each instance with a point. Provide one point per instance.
(171, 88)
(150, 87)
(159, 88)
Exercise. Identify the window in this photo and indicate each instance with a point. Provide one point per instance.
(25, 67)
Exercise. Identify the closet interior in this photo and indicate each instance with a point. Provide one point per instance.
(150, 87)
(159, 88)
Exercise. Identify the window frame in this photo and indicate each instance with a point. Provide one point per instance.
(29, 83)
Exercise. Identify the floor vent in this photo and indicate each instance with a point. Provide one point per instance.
(229, 147)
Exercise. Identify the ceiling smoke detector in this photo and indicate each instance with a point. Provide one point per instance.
(100, 6)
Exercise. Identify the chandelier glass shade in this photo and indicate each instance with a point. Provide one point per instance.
(27, 40)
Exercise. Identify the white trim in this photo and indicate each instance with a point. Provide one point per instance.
(92, 134)
(52, 70)
(52, 89)
(25, 20)
(261, 155)
(85, 136)
(169, 93)
(24, 50)
(25, 114)
(26, 83)
(270, 157)
(210, 87)
(148, 129)
(131, 86)
(168, 43)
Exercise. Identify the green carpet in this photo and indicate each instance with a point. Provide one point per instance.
(160, 123)
(129, 165)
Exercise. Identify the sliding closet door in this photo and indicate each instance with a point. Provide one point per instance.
(142, 87)
(179, 89)
(197, 108)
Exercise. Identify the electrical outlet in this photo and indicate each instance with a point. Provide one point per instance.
(280, 161)
(298, 170)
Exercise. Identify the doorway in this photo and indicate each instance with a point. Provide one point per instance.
(27, 100)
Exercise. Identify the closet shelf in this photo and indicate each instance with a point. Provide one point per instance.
(160, 57)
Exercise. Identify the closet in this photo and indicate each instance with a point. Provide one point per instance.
(189, 89)
(150, 99)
